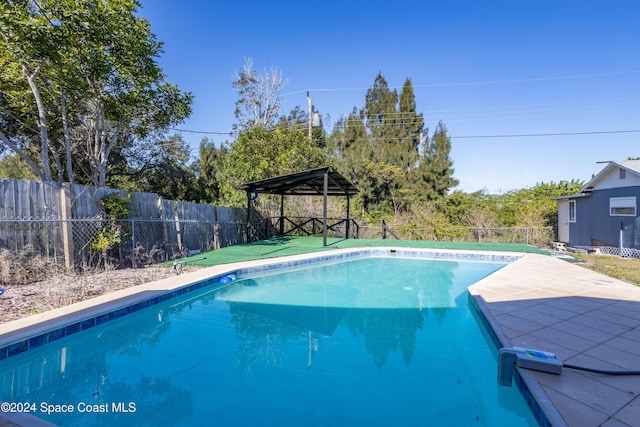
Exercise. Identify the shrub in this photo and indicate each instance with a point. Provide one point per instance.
(116, 207)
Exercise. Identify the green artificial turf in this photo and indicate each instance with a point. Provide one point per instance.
(284, 246)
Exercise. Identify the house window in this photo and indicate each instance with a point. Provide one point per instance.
(572, 211)
(623, 173)
(622, 206)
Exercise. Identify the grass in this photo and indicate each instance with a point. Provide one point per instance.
(627, 269)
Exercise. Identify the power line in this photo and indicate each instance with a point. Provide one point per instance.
(537, 79)
(400, 115)
(525, 135)
(473, 83)
(545, 134)
(201, 132)
(633, 100)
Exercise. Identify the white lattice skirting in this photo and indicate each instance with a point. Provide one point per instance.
(612, 250)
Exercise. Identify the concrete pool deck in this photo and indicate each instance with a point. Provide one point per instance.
(539, 302)
(587, 319)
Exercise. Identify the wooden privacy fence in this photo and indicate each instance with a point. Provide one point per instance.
(63, 222)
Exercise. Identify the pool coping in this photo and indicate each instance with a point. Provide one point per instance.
(511, 286)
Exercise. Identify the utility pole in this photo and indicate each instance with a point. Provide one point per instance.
(310, 119)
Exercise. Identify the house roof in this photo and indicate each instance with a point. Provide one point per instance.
(571, 196)
(632, 166)
(306, 183)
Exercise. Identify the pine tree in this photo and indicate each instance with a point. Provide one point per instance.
(436, 167)
(350, 146)
(381, 117)
(378, 147)
(406, 152)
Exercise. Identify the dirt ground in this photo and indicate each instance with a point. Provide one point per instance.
(19, 301)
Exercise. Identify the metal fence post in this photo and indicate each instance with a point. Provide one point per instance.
(621, 236)
(134, 264)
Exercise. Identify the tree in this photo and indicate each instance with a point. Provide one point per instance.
(260, 96)
(380, 111)
(211, 170)
(348, 146)
(260, 153)
(165, 168)
(378, 147)
(12, 166)
(393, 123)
(533, 207)
(406, 152)
(436, 168)
(351, 149)
(372, 153)
(462, 208)
(80, 78)
(27, 44)
(299, 119)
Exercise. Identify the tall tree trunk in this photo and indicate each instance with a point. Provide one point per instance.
(42, 123)
(67, 140)
(56, 159)
(112, 141)
(103, 144)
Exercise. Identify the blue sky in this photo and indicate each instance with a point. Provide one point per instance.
(486, 69)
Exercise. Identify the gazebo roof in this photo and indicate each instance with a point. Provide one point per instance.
(307, 183)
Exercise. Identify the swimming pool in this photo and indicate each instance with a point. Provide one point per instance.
(375, 339)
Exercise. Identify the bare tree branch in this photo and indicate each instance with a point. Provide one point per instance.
(22, 155)
(260, 95)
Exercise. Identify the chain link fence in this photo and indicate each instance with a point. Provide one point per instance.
(116, 243)
(535, 236)
(299, 226)
(136, 243)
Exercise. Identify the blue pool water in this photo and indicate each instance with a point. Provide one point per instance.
(378, 341)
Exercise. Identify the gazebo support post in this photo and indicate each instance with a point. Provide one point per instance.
(324, 208)
(248, 214)
(348, 219)
(282, 214)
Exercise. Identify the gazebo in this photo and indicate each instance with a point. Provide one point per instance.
(323, 181)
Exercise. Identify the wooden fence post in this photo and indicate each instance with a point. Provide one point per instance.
(216, 228)
(67, 225)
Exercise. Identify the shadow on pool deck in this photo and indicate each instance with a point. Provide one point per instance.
(587, 319)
